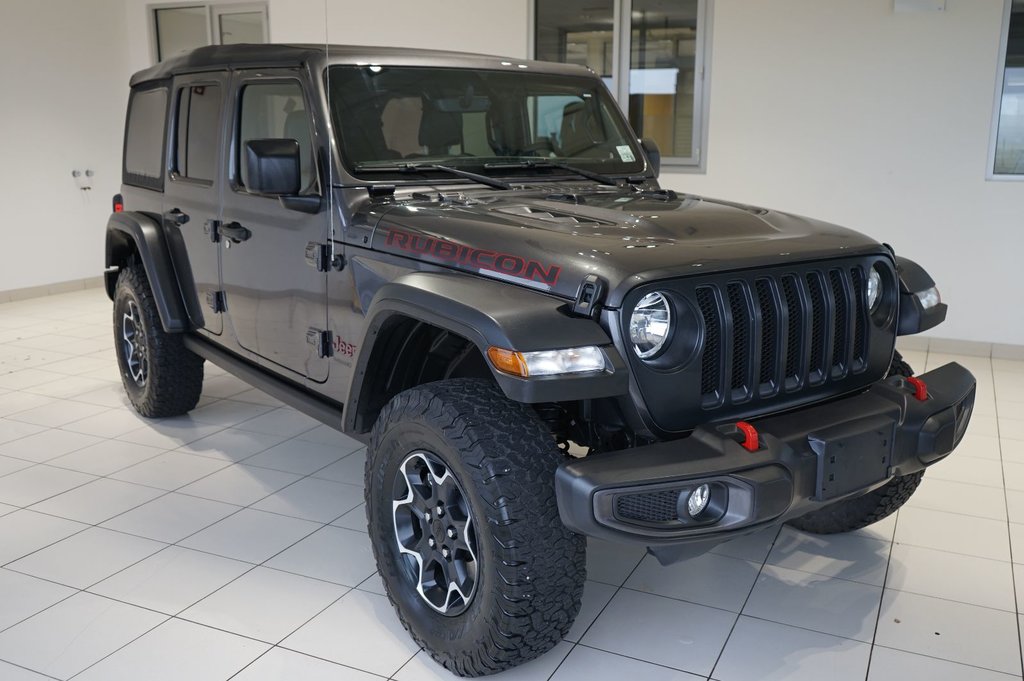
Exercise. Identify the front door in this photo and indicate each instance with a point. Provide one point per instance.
(193, 190)
(276, 299)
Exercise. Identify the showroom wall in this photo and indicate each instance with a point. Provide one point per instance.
(853, 113)
(63, 74)
(837, 109)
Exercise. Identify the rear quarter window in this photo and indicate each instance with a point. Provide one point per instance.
(144, 138)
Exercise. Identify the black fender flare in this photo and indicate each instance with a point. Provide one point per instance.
(488, 313)
(130, 231)
(914, 318)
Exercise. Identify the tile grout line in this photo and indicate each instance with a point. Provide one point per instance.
(881, 598)
(577, 642)
(1009, 534)
(177, 616)
(732, 630)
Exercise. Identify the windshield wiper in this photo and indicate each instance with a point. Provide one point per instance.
(418, 167)
(545, 163)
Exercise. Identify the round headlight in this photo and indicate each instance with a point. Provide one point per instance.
(874, 291)
(650, 324)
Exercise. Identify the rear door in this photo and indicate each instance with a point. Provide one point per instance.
(193, 190)
(276, 297)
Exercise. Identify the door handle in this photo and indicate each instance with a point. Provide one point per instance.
(176, 216)
(235, 232)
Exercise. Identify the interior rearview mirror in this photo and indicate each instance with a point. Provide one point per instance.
(653, 154)
(272, 167)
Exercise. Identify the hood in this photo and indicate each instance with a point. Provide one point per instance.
(549, 240)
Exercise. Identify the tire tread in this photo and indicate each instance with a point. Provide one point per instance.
(540, 565)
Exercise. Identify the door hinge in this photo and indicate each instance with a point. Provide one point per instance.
(319, 256)
(217, 301)
(212, 229)
(322, 341)
(589, 297)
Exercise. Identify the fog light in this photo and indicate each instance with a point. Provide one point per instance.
(698, 501)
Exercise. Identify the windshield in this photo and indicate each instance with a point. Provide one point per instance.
(490, 122)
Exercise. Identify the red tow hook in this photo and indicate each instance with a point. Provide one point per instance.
(920, 389)
(749, 436)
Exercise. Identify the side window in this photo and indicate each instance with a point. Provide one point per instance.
(144, 138)
(196, 138)
(275, 111)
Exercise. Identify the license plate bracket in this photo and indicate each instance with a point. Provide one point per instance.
(852, 455)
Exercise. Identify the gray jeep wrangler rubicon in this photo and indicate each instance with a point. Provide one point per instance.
(468, 263)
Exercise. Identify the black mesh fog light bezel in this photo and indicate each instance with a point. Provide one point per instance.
(731, 505)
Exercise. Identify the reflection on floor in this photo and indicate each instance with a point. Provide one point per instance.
(231, 544)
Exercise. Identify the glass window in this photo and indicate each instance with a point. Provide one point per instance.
(663, 51)
(491, 122)
(277, 111)
(661, 48)
(1009, 152)
(144, 138)
(180, 29)
(240, 27)
(197, 132)
(577, 32)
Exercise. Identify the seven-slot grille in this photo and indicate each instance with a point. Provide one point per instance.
(768, 335)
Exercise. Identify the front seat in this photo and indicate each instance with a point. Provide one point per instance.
(439, 130)
(579, 130)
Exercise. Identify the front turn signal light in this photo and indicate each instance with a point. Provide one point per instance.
(586, 359)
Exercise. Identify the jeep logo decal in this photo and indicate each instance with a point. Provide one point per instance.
(502, 263)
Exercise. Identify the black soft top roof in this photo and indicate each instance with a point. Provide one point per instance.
(217, 57)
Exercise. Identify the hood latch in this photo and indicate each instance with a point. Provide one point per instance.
(589, 297)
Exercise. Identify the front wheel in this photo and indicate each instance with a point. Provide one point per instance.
(462, 518)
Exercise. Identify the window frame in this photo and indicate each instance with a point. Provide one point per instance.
(250, 78)
(1004, 40)
(213, 11)
(621, 64)
(174, 124)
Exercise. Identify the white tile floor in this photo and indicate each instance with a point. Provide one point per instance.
(232, 544)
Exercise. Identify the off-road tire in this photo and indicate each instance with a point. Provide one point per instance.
(853, 514)
(531, 568)
(174, 379)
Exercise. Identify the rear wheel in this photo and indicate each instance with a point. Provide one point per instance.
(852, 514)
(464, 526)
(160, 376)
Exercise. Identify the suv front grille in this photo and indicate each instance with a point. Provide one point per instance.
(753, 342)
(780, 334)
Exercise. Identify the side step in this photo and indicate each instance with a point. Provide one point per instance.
(322, 409)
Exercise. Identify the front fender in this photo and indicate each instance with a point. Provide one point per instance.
(488, 313)
(130, 232)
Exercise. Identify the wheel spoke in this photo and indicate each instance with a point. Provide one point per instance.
(433, 528)
(134, 341)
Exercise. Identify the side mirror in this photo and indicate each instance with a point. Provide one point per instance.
(650, 148)
(272, 167)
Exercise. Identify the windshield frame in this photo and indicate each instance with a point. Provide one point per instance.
(361, 174)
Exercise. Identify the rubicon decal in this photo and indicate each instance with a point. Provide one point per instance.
(494, 261)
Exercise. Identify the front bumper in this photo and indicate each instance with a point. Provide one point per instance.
(804, 460)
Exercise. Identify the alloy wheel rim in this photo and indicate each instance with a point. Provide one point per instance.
(133, 338)
(435, 534)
